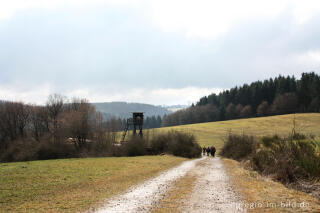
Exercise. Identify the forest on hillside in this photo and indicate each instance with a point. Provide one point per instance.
(281, 95)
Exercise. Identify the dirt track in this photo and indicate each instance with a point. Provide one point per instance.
(212, 192)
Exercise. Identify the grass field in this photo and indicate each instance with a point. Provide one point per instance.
(73, 185)
(214, 133)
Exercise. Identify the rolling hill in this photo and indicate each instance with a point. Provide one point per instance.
(175, 108)
(124, 109)
(214, 133)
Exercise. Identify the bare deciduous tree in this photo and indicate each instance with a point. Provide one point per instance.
(54, 107)
(230, 111)
(285, 103)
(263, 109)
(79, 121)
(14, 117)
(246, 111)
(39, 121)
(238, 111)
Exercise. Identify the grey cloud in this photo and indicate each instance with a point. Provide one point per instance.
(118, 48)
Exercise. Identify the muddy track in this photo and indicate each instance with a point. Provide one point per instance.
(212, 192)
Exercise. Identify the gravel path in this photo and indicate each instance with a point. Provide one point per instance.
(212, 192)
(142, 197)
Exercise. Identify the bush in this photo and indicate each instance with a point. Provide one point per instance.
(298, 136)
(49, 150)
(295, 159)
(276, 159)
(23, 150)
(100, 149)
(261, 159)
(175, 143)
(238, 146)
(159, 144)
(269, 140)
(306, 157)
(20, 150)
(183, 145)
(135, 147)
(287, 159)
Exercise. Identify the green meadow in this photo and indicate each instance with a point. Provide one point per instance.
(73, 185)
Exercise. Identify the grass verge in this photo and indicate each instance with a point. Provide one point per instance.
(73, 185)
(292, 160)
(264, 195)
(177, 195)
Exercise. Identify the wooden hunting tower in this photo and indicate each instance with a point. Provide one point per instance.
(137, 122)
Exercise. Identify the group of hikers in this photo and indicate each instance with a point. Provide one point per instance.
(209, 151)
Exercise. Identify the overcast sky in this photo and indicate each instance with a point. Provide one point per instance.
(158, 52)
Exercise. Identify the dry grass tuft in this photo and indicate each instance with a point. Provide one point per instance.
(177, 197)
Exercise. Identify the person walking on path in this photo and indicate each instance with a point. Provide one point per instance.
(204, 149)
(213, 151)
(208, 151)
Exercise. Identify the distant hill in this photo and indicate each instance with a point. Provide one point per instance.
(175, 108)
(124, 109)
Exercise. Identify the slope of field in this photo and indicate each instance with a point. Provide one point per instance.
(214, 133)
(73, 185)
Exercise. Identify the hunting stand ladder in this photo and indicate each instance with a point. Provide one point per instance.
(137, 122)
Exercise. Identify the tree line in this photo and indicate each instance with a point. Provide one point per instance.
(280, 95)
(62, 128)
